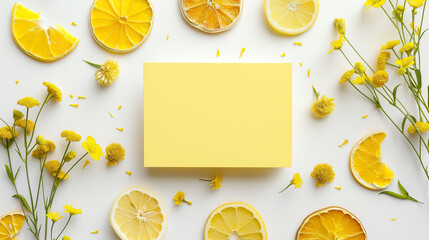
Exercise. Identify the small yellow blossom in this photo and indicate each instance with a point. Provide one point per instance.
(359, 68)
(323, 106)
(179, 198)
(70, 156)
(95, 232)
(416, 3)
(323, 173)
(71, 210)
(129, 173)
(107, 73)
(16, 82)
(40, 140)
(74, 105)
(54, 91)
(86, 164)
(337, 44)
(296, 181)
(379, 78)
(374, 3)
(216, 182)
(408, 47)
(54, 216)
(390, 45)
(53, 166)
(297, 43)
(66, 238)
(17, 115)
(242, 52)
(51, 145)
(92, 148)
(340, 25)
(120, 129)
(28, 102)
(71, 136)
(338, 188)
(405, 62)
(217, 53)
(344, 143)
(383, 56)
(40, 151)
(346, 76)
(7, 134)
(114, 153)
(28, 125)
(422, 127)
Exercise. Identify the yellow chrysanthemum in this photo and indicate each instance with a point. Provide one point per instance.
(108, 72)
(337, 44)
(359, 80)
(7, 134)
(379, 78)
(422, 127)
(71, 210)
(390, 45)
(92, 148)
(323, 106)
(405, 62)
(71, 136)
(416, 3)
(346, 76)
(54, 216)
(114, 153)
(359, 68)
(27, 125)
(179, 198)
(52, 166)
(374, 3)
(323, 173)
(28, 102)
(408, 47)
(340, 25)
(54, 91)
(383, 56)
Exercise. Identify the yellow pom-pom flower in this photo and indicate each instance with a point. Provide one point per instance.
(179, 198)
(92, 148)
(54, 216)
(107, 73)
(40, 151)
(51, 145)
(379, 78)
(422, 127)
(346, 76)
(53, 166)
(114, 153)
(28, 102)
(6, 133)
(71, 136)
(54, 91)
(323, 173)
(296, 181)
(323, 106)
(71, 210)
(27, 125)
(383, 56)
(390, 45)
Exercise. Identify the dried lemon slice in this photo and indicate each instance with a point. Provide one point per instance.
(10, 225)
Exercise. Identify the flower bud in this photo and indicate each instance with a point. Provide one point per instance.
(66, 238)
(17, 115)
(359, 68)
(340, 25)
(401, 71)
(40, 140)
(70, 156)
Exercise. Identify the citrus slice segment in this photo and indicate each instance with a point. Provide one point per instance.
(331, 223)
(366, 164)
(235, 221)
(211, 16)
(121, 26)
(138, 214)
(37, 42)
(291, 17)
(10, 225)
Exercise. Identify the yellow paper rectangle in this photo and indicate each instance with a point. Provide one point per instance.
(218, 115)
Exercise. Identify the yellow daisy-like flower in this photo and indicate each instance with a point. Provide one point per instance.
(422, 127)
(408, 47)
(54, 91)
(374, 3)
(383, 56)
(337, 44)
(179, 198)
(359, 68)
(296, 181)
(323, 173)
(26, 125)
(416, 3)
(216, 182)
(390, 45)
(379, 78)
(71, 210)
(71, 136)
(405, 62)
(54, 216)
(7, 134)
(92, 148)
(114, 153)
(28, 102)
(323, 106)
(346, 76)
(107, 73)
(340, 25)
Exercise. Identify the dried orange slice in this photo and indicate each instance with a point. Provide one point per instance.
(37, 42)
(366, 165)
(10, 225)
(211, 16)
(331, 223)
(121, 26)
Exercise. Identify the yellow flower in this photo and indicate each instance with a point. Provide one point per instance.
(337, 44)
(416, 3)
(216, 182)
(114, 153)
(108, 72)
(26, 125)
(40, 151)
(379, 78)
(179, 198)
(28, 102)
(92, 148)
(383, 56)
(70, 156)
(408, 47)
(346, 76)
(54, 216)
(405, 62)
(323, 106)
(323, 173)
(71, 210)
(66, 238)
(40, 140)
(54, 91)
(51, 145)
(53, 166)
(296, 181)
(359, 68)
(17, 115)
(374, 3)
(340, 25)
(390, 45)
(71, 136)
(6, 133)
(422, 127)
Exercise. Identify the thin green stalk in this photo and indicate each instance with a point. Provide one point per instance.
(351, 45)
(65, 226)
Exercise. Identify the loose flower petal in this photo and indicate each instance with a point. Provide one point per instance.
(217, 53)
(129, 173)
(344, 143)
(338, 188)
(74, 105)
(86, 164)
(95, 232)
(120, 129)
(242, 52)
(297, 43)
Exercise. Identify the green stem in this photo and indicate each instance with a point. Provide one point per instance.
(351, 45)
(284, 189)
(65, 226)
(93, 64)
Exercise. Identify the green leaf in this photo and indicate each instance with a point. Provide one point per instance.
(419, 78)
(16, 174)
(394, 93)
(93, 64)
(393, 194)
(403, 123)
(413, 118)
(9, 173)
(402, 189)
(23, 201)
(316, 93)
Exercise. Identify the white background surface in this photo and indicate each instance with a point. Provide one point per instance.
(314, 141)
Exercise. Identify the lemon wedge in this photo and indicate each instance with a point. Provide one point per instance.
(10, 225)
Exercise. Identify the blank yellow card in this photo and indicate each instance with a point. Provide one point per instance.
(218, 115)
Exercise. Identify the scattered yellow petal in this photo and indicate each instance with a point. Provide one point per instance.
(74, 24)
(394, 219)
(80, 97)
(129, 173)
(111, 115)
(298, 43)
(71, 96)
(217, 53)
(242, 52)
(16, 82)
(74, 105)
(344, 143)
(120, 129)
(120, 107)
(364, 116)
(95, 232)
(308, 72)
(300, 64)
(338, 188)
(86, 164)
(284, 55)
(167, 37)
